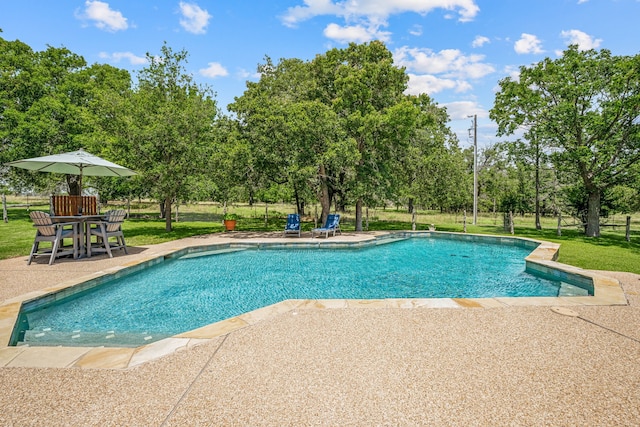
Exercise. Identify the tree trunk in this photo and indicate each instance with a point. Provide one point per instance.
(410, 209)
(359, 215)
(295, 195)
(538, 225)
(325, 201)
(167, 214)
(73, 182)
(299, 202)
(593, 213)
(162, 212)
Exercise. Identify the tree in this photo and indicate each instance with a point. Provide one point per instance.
(293, 138)
(495, 179)
(51, 102)
(366, 91)
(170, 137)
(42, 112)
(433, 169)
(586, 106)
(531, 155)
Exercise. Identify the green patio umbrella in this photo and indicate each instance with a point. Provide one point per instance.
(78, 163)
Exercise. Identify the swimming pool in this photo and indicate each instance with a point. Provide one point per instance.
(204, 287)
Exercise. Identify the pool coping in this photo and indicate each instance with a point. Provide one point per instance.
(606, 291)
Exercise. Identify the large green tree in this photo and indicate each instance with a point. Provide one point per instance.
(585, 104)
(433, 168)
(293, 138)
(51, 102)
(171, 131)
(339, 126)
(42, 112)
(366, 91)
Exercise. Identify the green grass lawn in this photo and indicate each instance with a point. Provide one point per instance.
(609, 252)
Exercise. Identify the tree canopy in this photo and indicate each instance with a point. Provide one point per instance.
(339, 130)
(339, 126)
(171, 129)
(585, 105)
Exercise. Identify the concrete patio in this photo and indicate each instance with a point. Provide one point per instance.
(352, 365)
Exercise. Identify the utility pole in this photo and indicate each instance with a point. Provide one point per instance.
(475, 168)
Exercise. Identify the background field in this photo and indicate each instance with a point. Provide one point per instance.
(609, 252)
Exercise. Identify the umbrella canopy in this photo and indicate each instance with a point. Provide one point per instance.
(73, 163)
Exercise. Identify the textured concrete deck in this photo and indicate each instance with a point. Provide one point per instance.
(353, 364)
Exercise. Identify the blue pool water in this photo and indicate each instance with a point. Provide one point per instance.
(184, 294)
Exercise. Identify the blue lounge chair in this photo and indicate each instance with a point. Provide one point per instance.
(293, 225)
(331, 225)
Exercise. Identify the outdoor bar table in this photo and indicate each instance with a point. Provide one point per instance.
(85, 236)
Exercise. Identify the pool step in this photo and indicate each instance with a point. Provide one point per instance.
(212, 252)
(568, 290)
(90, 339)
(384, 241)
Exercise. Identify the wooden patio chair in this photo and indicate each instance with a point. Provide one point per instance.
(111, 226)
(55, 233)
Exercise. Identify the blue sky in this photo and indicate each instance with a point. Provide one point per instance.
(454, 50)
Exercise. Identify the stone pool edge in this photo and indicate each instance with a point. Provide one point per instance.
(606, 291)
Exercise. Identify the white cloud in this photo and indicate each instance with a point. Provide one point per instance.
(194, 19)
(582, 1)
(461, 122)
(451, 63)
(244, 74)
(354, 33)
(103, 16)
(513, 72)
(430, 84)
(376, 10)
(582, 39)
(480, 41)
(416, 30)
(461, 110)
(128, 56)
(432, 72)
(312, 8)
(528, 43)
(364, 18)
(214, 69)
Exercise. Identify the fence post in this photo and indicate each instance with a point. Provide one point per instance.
(464, 221)
(366, 220)
(511, 222)
(627, 235)
(5, 217)
(559, 230)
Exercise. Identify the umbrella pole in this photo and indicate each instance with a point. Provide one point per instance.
(80, 182)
